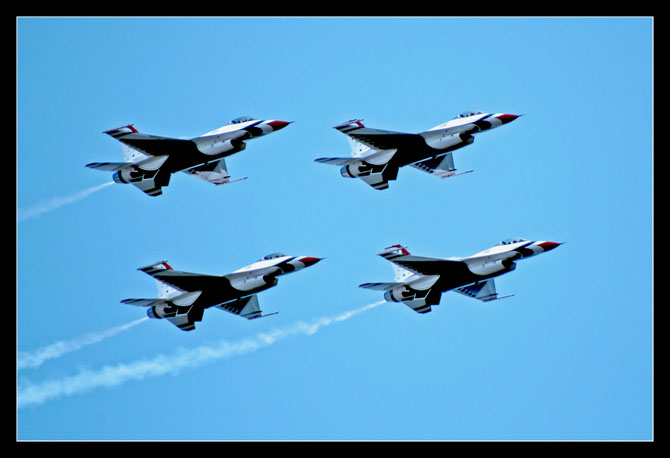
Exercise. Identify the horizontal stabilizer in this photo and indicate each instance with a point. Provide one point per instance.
(380, 286)
(143, 302)
(338, 160)
(148, 164)
(108, 166)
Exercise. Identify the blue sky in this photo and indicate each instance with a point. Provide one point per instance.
(569, 357)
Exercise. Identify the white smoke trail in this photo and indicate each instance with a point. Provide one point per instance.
(87, 380)
(57, 202)
(36, 358)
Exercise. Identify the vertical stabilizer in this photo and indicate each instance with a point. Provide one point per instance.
(130, 154)
(399, 274)
(164, 290)
(357, 148)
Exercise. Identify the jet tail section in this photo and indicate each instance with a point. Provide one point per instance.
(393, 252)
(358, 149)
(182, 316)
(146, 174)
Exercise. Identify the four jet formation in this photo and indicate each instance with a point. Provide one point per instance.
(376, 157)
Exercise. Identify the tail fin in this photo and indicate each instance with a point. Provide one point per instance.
(357, 148)
(129, 154)
(153, 268)
(164, 290)
(121, 131)
(350, 125)
(395, 251)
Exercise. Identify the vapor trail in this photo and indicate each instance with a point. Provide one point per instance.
(57, 202)
(55, 350)
(87, 380)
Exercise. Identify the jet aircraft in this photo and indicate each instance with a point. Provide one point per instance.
(151, 160)
(378, 154)
(420, 281)
(184, 296)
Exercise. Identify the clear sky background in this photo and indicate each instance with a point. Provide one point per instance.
(569, 357)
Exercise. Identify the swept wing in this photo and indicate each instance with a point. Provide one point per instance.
(379, 139)
(430, 266)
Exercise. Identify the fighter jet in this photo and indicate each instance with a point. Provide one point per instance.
(184, 296)
(378, 154)
(420, 281)
(151, 160)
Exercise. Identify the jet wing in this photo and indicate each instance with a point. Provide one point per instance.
(183, 281)
(152, 145)
(186, 281)
(484, 291)
(384, 139)
(213, 172)
(246, 307)
(431, 266)
(442, 167)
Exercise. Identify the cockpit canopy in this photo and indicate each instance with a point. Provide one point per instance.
(241, 119)
(465, 114)
(512, 240)
(272, 256)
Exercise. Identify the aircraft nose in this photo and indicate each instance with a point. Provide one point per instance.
(507, 118)
(276, 125)
(309, 261)
(547, 246)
